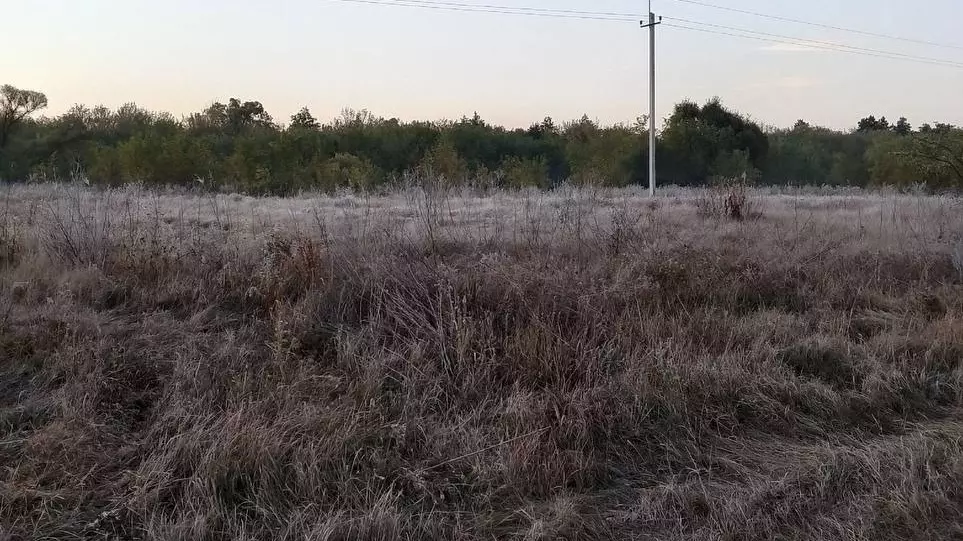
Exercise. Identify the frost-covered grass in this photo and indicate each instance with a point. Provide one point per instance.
(452, 364)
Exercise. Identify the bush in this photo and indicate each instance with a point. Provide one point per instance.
(347, 170)
(525, 173)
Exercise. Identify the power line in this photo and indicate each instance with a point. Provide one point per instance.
(724, 30)
(826, 44)
(936, 62)
(504, 10)
(632, 16)
(821, 25)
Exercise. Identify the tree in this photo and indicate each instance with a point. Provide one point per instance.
(940, 155)
(303, 119)
(707, 141)
(596, 155)
(543, 129)
(475, 120)
(889, 163)
(934, 158)
(443, 160)
(247, 114)
(871, 124)
(15, 106)
(234, 118)
(903, 127)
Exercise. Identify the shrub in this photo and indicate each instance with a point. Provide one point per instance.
(525, 173)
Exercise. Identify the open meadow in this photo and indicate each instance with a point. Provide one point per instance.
(581, 364)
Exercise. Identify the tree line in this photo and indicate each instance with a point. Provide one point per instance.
(239, 145)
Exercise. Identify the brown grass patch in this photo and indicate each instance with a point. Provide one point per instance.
(326, 372)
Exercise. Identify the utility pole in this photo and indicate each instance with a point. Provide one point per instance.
(651, 24)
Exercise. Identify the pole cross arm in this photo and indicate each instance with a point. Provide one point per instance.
(646, 24)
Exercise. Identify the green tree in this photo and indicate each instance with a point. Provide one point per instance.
(902, 126)
(303, 119)
(443, 160)
(233, 118)
(888, 162)
(939, 154)
(597, 155)
(871, 124)
(934, 158)
(238, 144)
(15, 106)
(525, 173)
(347, 170)
(707, 141)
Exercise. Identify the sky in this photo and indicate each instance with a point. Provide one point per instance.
(180, 56)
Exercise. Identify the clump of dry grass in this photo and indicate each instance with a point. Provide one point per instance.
(571, 365)
(729, 199)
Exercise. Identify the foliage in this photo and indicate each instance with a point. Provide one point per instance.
(871, 124)
(347, 170)
(934, 158)
(603, 156)
(703, 142)
(903, 127)
(443, 160)
(16, 105)
(939, 155)
(812, 155)
(303, 119)
(525, 172)
(237, 145)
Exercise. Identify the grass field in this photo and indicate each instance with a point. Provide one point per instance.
(581, 364)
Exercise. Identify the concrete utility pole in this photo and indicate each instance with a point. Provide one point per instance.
(651, 24)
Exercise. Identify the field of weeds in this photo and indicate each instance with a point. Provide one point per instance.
(579, 364)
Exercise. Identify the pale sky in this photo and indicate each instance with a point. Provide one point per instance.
(181, 55)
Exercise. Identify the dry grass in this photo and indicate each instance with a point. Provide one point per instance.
(574, 365)
(731, 199)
